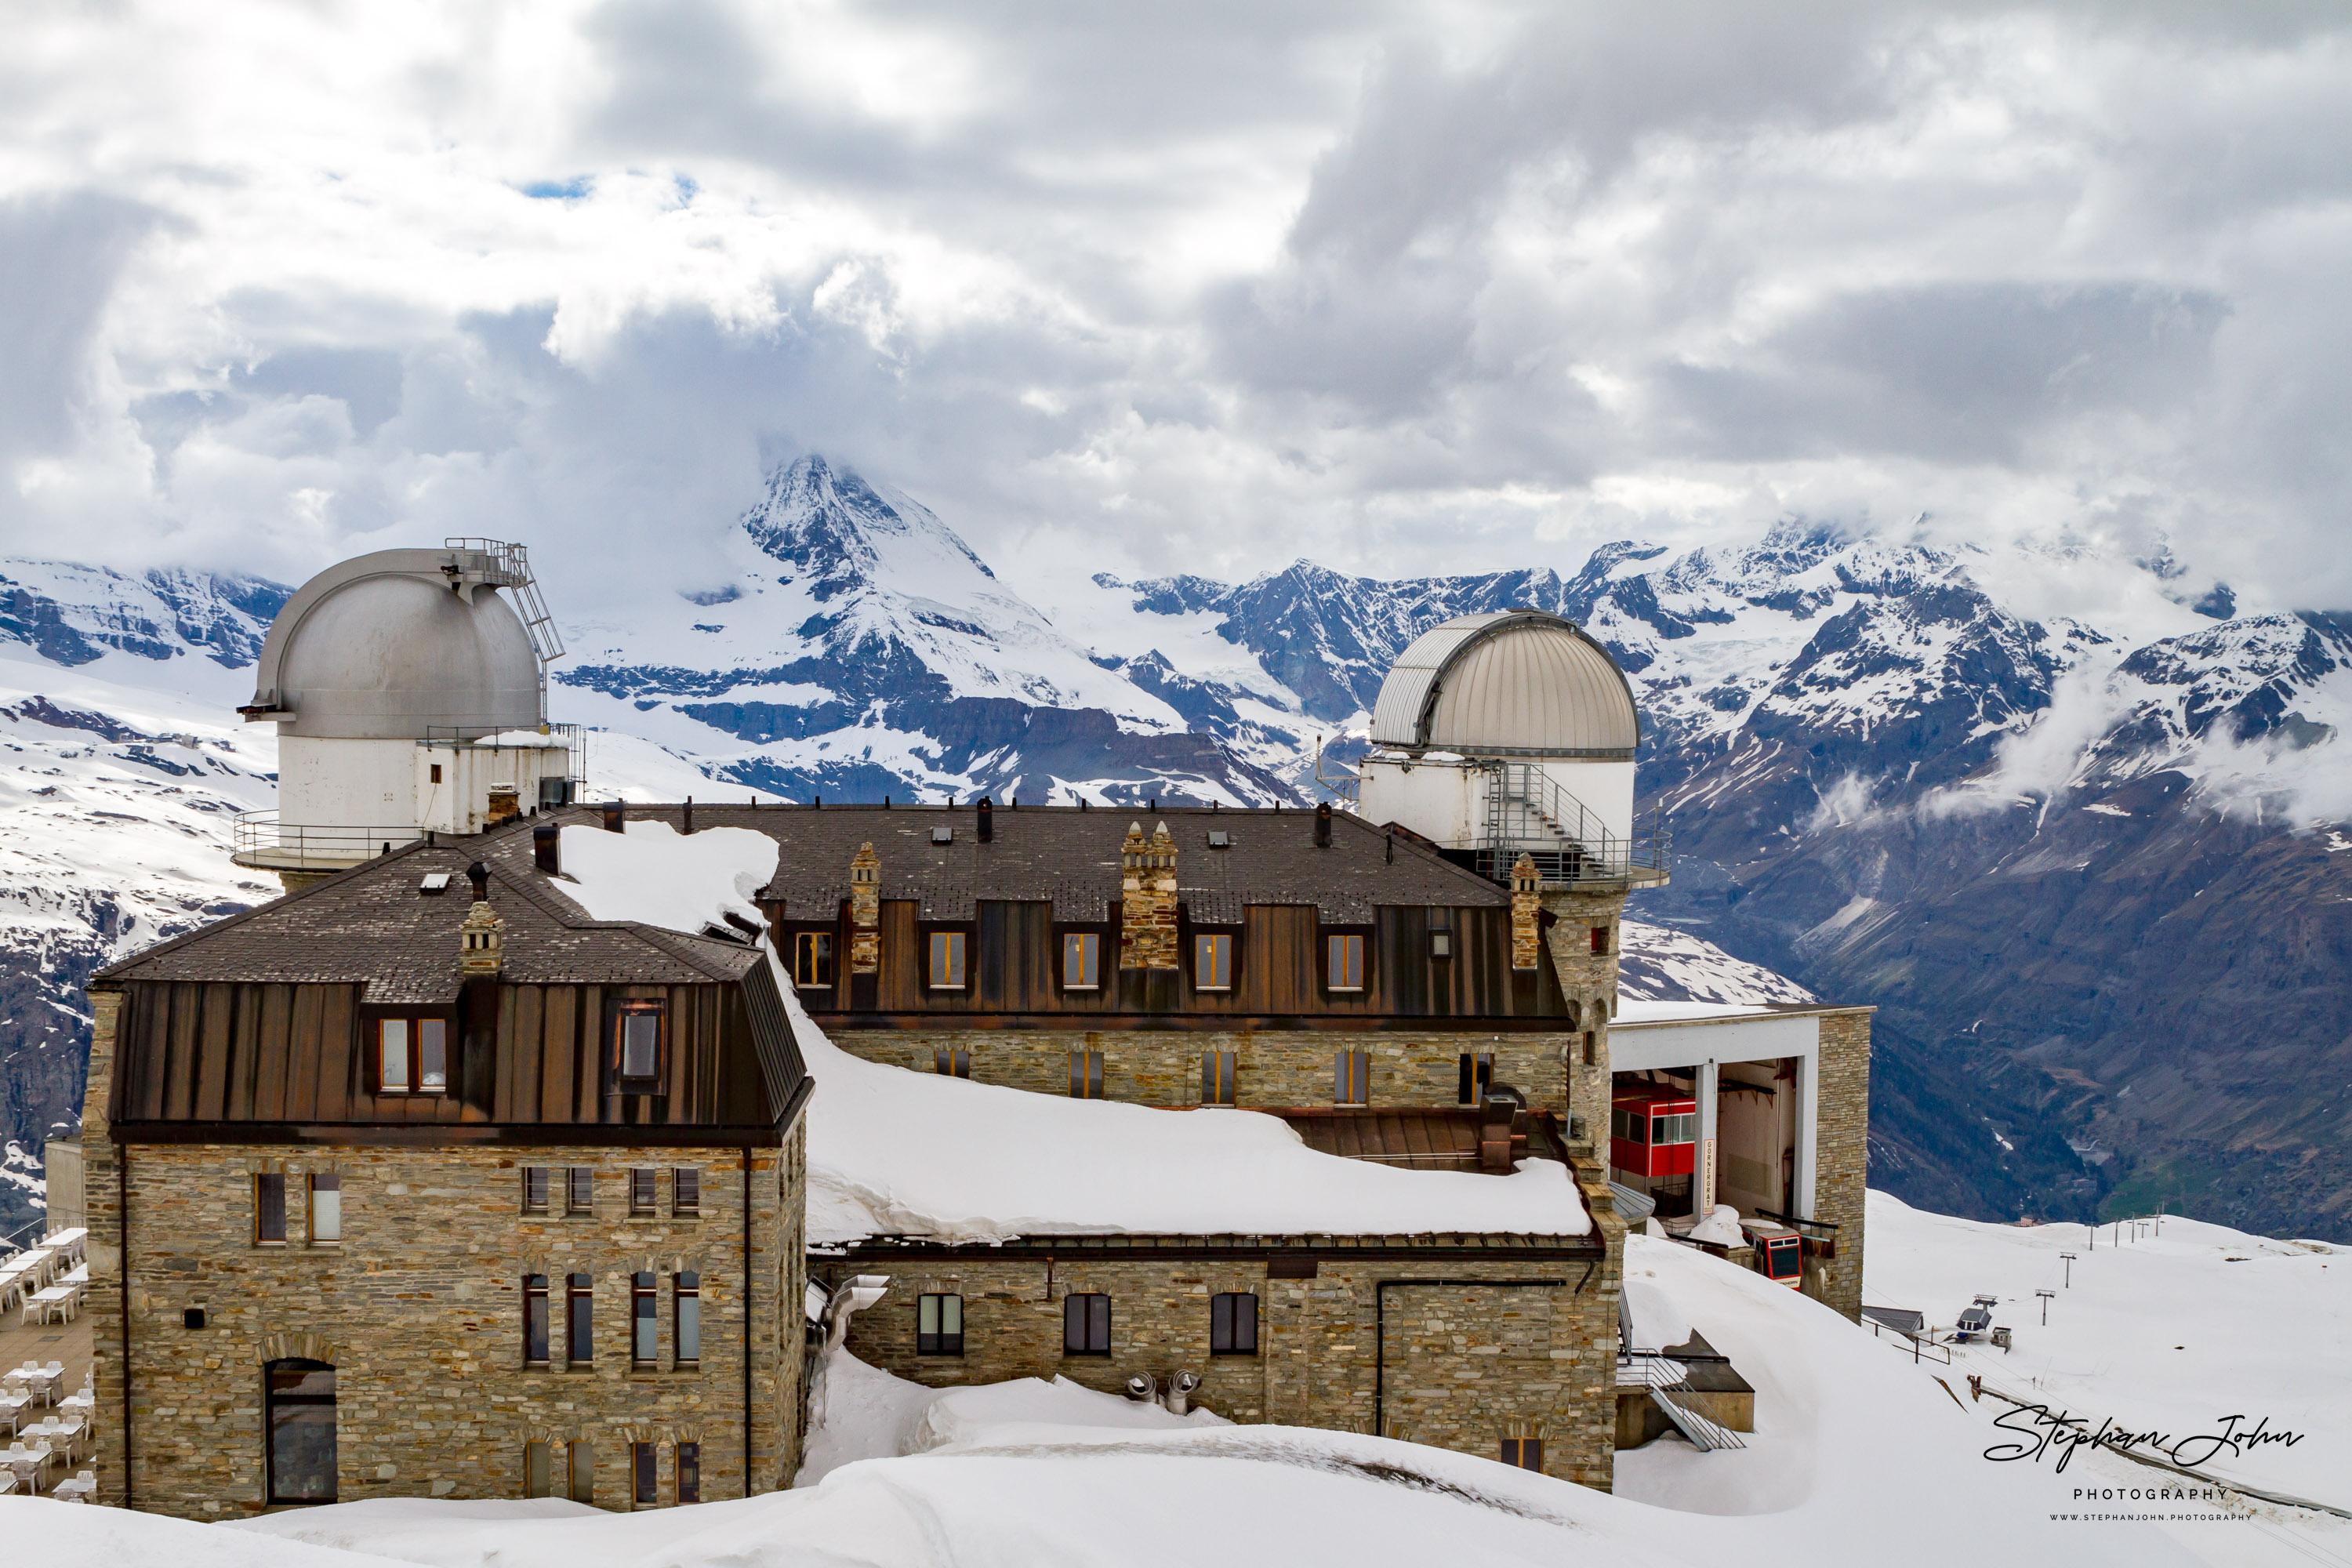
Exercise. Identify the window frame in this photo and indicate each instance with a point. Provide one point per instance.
(1218, 1071)
(320, 1181)
(1085, 1073)
(579, 1320)
(685, 1321)
(1361, 948)
(803, 940)
(1080, 1323)
(940, 1341)
(1476, 1077)
(1524, 1453)
(617, 1011)
(1090, 943)
(1239, 1326)
(538, 1454)
(1230, 938)
(686, 1192)
(269, 1208)
(959, 939)
(544, 1203)
(1351, 1069)
(271, 1400)
(373, 1019)
(578, 1179)
(580, 1470)
(1441, 944)
(645, 1321)
(534, 1292)
(645, 1190)
(1603, 943)
(951, 1061)
(688, 1472)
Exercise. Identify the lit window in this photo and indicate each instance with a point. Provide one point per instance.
(636, 1060)
(947, 960)
(1217, 1078)
(411, 1056)
(1527, 1453)
(686, 1191)
(1213, 963)
(1233, 1324)
(643, 1335)
(326, 1209)
(1352, 1077)
(813, 958)
(939, 1325)
(1477, 1072)
(1081, 960)
(1085, 1075)
(686, 1299)
(1086, 1324)
(269, 1209)
(1344, 958)
(580, 1318)
(689, 1472)
(535, 1324)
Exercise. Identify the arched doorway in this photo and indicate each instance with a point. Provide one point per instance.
(299, 1416)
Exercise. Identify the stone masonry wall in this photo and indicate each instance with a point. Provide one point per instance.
(1589, 979)
(419, 1309)
(1465, 1364)
(1842, 1157)
(1293, 1068)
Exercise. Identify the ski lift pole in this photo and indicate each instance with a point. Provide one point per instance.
(2069, 1259)
(2046, 1296)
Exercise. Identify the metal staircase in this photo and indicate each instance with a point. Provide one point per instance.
(1671, 1395)
(1529, 813)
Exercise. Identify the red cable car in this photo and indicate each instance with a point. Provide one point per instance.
(1779, 1252)
(1654, 1131)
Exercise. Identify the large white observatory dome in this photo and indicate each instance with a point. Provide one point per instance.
(1519, 683)
(393, 646)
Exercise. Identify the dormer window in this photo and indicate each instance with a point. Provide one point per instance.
(943, 835)
(411, 1056)
(813, 958)
(639, 1046)
(947, 960)
(1220, 839)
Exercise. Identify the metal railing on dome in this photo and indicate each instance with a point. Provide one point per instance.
(573, 738)
(1528, 813)
(265, 843)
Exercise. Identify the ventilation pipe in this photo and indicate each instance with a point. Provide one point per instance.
(686, 816)
(479, 875)
(1180, 1391)
(615, 812)
(1143, 1388)
(547, 848)
(987, 827)
(1323, 825)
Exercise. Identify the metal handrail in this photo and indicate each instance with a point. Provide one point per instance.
(573, 738)
(261, 832)
(511, 568)
(1528, 813)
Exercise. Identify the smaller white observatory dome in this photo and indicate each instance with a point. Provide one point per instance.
(1517, 683)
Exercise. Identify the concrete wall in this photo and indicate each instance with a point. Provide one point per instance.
(1465, 1365)
(1162, 1066)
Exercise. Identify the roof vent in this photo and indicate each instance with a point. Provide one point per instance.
(943, 835)
(1220, 839)
(434, 882)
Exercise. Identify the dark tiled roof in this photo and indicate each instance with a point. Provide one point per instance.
(372, 924)
(1069, 858)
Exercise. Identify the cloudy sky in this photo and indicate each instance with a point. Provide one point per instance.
(1399, 288)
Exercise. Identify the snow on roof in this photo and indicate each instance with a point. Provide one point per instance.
(894, 1153)
(1632, 1011)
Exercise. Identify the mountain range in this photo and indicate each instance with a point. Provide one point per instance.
(2066, 814)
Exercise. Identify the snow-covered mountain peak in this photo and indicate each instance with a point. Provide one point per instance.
(841, 533)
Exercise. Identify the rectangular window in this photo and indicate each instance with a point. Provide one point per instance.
(939, 1325)
(535, 1324)
(689, 1472)
(1440, 943)
(1217, 1077)
(1343, 957)
(1212, 963)
(686, 1301)
(411, 1056)
(1599, 939)
(951, 1063)
(1351, 1078)
(392, 1057)
(1081, 961)
(1681, 1128)
(326, 1209)
(580, 1318)
(637, 1047)
(1085, 1075)
(582, 1456)
(1233, 1324)
(644, 1336)
(644, 1188)
(685, 1190)
(580, 1189)
(436, 779)
(1086, 1324)
(947, 961)
(269, 1208)
(1477, 1073)
(813, 958)
(1527, 1453)
(537, 1469)
(534, 1189)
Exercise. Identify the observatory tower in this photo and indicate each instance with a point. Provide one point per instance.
(409, 688)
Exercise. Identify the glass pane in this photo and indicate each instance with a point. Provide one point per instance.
(431, 1053)
(269, 1208)
(583, 1473)
(302, 1452)
(641, 1314)
(1245, 1324)
(1099, 1323)
(581, 1188)
(951, 1314)
(536, 1470)
(685, 1190)
(393, 1057)
(689, 1327)
(640, 1044)
(326, 1209)
(582, 1315)
(927, 1315)
(534, 1328)
(534, 1187)
(646, 1494)
(689, 1472)
(1220, 1323)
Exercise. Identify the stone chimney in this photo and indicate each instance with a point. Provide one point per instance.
(1146, 909)
(1527, 909)
(865, 912)
(481, 940)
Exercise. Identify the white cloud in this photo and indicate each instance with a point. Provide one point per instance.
(1402, 289)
